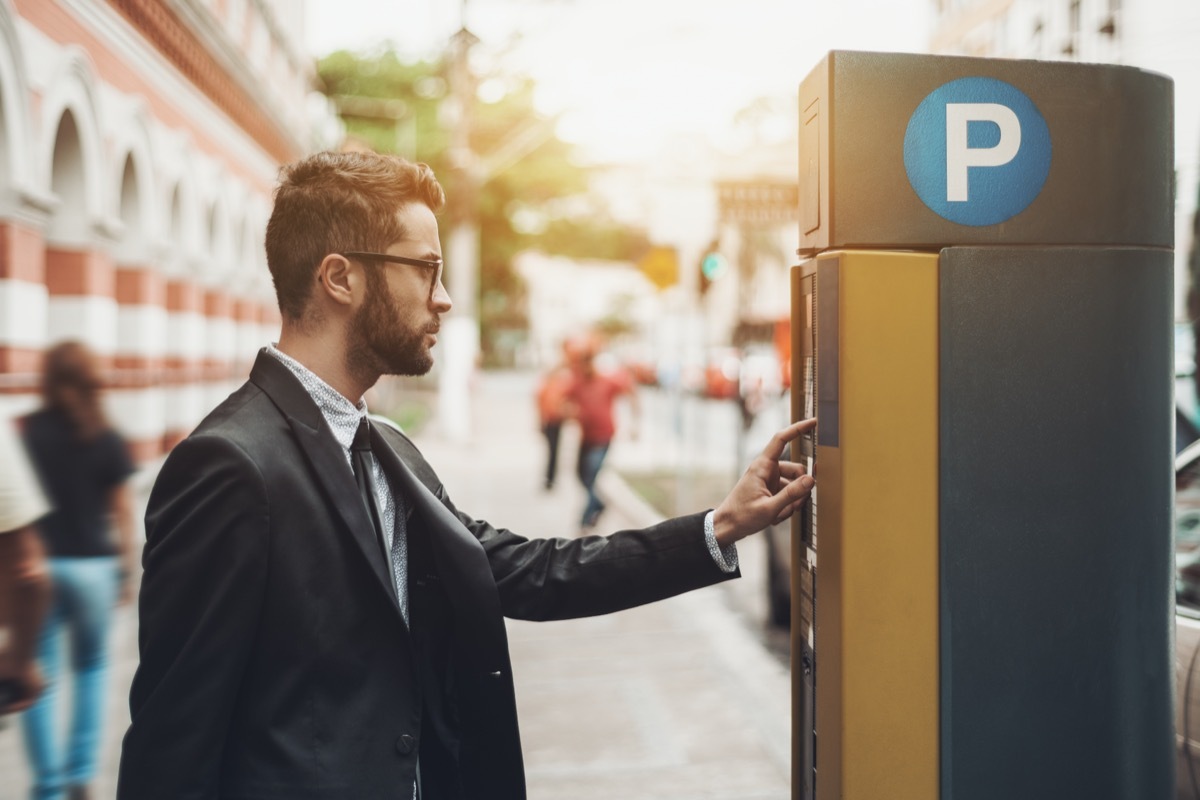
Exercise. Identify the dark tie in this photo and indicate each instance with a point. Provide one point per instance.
(360, 458)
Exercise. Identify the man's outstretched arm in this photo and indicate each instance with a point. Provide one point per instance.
(563, 578)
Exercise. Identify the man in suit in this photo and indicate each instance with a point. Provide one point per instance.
(318, 619)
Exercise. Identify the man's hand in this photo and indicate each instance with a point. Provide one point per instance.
(22, 690)
(25, 576)
(125, 593)
(767, 493)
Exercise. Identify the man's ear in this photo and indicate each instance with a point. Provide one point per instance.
(337, 279)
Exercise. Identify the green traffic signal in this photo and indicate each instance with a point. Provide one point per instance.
(713, 266)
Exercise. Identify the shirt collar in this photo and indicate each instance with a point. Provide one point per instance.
(342, 416)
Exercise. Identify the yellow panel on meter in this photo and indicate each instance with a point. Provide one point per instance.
(866, 556)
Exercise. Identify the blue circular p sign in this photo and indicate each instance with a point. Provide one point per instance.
(977, 151)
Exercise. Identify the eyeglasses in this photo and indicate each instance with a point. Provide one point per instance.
(435, 266)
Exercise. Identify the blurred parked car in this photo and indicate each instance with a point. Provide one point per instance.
(640, 362)
(779, 575)
(721, 374)
(1187, 622)
(1187, 408)
(730, 373)
(760, 367)
(644, 373)
(1185, 349)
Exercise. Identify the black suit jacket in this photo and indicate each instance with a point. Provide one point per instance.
(275, 663)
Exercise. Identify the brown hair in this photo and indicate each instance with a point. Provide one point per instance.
(332, 202)
(71, 384)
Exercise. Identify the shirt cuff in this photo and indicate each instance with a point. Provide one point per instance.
(726, 557)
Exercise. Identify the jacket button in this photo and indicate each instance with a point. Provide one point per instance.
(405, 744)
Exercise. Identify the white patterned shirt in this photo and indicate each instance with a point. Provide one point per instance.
(343, 418)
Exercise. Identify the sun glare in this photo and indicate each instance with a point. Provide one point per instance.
(627, 77)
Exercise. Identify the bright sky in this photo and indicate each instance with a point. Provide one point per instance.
(629, 75)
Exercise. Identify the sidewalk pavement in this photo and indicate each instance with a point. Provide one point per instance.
(673, 701)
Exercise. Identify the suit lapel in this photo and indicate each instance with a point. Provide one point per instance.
(328, 462)
(460, 558)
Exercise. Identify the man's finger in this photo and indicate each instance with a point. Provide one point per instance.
(783, 481)
(796, 491)
(775, 447)
(791, 470)
(793, 506)
(789, 511)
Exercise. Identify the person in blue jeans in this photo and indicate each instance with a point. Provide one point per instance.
(84, 466)
(590, 399)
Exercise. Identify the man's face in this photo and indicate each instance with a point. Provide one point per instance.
(395, 328)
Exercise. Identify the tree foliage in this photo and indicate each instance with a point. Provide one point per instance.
(525, 168)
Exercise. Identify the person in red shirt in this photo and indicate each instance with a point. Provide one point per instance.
(590, 400)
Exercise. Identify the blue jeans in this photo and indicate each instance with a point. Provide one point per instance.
(85, 591)
(591, 459)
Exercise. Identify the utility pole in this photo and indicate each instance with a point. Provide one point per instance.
(460, 328)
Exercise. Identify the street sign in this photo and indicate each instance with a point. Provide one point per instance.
(758, 201)
(661, 266)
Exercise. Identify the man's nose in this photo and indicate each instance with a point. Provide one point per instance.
(441, 298)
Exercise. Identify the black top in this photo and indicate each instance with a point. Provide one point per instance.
(77, 478)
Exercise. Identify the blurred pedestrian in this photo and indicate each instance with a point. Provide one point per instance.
(590, 401)
(551, 403)
(84, 466)
(318, 619)
(24, 579)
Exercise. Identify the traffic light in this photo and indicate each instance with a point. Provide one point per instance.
(712, 267)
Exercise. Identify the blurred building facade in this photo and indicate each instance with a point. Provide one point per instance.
(758, 221)
(139, 146)
(568, 298)
(682, 201)
(1158, 35)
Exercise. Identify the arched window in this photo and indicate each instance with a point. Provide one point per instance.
(69, 224)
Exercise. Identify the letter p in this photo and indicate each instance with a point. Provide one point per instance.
(960, 158)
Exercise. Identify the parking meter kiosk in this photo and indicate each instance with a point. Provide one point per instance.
(982, 595)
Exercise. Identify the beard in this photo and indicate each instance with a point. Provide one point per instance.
(384, 342)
